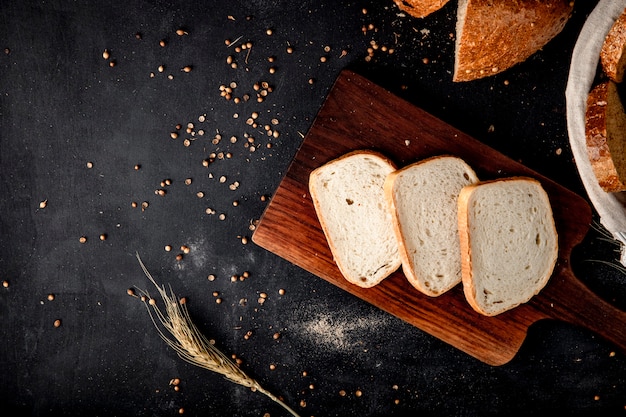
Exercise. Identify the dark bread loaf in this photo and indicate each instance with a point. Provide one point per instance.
(605, 128)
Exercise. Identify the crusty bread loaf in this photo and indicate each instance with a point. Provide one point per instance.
(348, 197)
(612, 56)
(494, 35)
(509, 243)
(420, 8)
(423, 200)
(605, 128)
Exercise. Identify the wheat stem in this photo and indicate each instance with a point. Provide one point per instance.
(190, 344)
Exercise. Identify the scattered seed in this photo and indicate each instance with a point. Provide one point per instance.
(5, 284)
(211, 277)
(43, 204)
(57, 323)
(185, 249)
(112, 64)
(103, 237)
(89, 165)
(82, 239)
(187, 68)
(181, 32)
(162, 43)
(106, 54)
(281, 292)
(179, 257)
(358, 393)
(289, 50)
(276, 336)
(342, 393)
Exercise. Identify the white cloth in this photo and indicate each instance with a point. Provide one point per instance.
(611, 207)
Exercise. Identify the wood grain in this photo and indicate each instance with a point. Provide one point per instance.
(361, 115)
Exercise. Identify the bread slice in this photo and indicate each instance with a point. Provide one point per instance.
(420, 8)
(605, 129)
(349, 201)
(494, 35)
(423, 201)
(509, 243)
(612, 56)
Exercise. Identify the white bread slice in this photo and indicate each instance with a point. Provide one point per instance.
(423, 201)
(420, 8)
(612, 56)
(494, 35)
(348, 197)
(509, 243)
(605, 131)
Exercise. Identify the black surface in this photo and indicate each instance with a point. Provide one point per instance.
(63, 106)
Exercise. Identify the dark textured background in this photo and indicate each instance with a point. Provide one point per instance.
(62, 106)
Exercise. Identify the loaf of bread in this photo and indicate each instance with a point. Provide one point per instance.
(348, 197)
(420, 8)
(423, 201)
(612, 56)
(494, 35)
(605, 129)
(509, 243)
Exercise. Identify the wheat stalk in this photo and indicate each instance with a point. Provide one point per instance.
(190, 344)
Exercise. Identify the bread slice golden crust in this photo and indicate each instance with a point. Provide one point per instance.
(423, 201)
(509, 243)
(494, 35)
(612, 56)
(420, 8)
(349, 201)
(605, 129)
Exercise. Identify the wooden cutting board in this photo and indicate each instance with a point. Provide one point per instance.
(361, 115)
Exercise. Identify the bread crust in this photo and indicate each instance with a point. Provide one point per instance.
(420, 8)
(612, 57)
(468, 281)
(597, 137)
(492, 35)
(314, 197)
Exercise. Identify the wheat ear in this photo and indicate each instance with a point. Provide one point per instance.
(190, 344)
